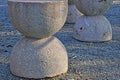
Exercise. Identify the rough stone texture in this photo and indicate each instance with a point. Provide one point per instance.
(38, 19)
(38, 58)
(33, 58)
(95, 61)
(73, 13)
(92, 29)
(93, 7)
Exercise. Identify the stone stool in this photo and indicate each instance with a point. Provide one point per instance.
(38, 54)
(93, 26)
(73, 13)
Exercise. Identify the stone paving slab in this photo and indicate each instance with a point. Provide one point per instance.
(87, 61)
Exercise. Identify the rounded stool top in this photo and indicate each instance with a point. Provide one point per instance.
(36, 1)
(93, 7)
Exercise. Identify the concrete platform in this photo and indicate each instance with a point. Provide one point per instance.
(87, 61)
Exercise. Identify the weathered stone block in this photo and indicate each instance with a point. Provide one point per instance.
(38, 18)
(73, 13)
(33, 58)
(93, 7)
(92, 29)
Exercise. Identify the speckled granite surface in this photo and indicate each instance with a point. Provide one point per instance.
(87, 61)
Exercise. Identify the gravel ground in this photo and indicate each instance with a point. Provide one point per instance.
(87, 61)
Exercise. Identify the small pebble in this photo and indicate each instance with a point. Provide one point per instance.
(9, 46)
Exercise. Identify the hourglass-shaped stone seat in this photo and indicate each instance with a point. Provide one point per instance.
(92, 26)
(38, 54)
